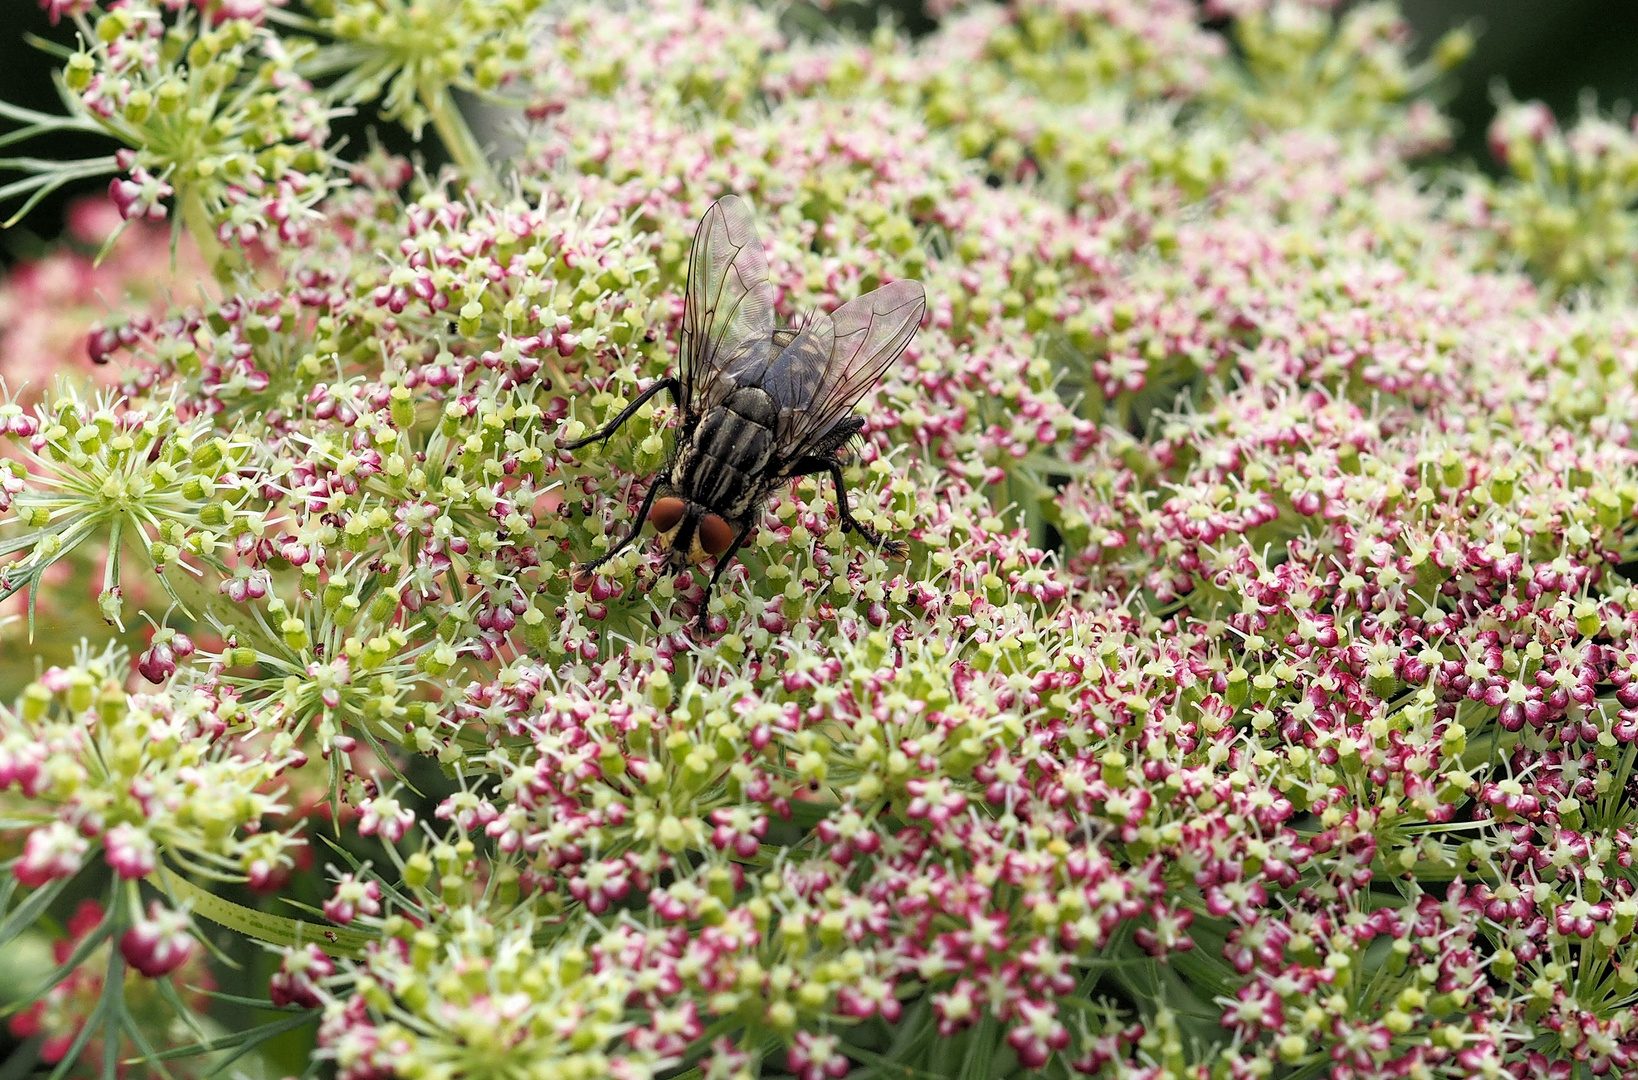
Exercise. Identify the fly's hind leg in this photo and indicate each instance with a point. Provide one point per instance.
(814, 464)
(626, 414)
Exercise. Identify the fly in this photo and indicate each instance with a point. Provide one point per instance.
(760, 405)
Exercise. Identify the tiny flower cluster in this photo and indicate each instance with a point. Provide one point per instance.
(413, 55)
(95, 469)
(1347, 73)
(212, 119)
(1566, 206)
(136, 779)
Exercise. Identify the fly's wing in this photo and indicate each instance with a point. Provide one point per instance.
(729, 301)
(788, 374)
(816, 386)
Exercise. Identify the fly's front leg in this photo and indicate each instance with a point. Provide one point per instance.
(812, 465)
(627, 413)
(722, 564)
(583, 572)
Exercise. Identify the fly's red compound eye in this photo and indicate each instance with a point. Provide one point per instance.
(667, 512)
(715, 534)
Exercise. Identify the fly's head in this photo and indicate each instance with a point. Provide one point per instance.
(688, 532)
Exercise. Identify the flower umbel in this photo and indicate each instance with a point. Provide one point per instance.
(1256, 695)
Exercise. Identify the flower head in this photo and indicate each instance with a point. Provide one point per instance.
(158, 944)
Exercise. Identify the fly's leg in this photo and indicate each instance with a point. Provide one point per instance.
(836, 438)
(722, 564)
(813, 465)
(888, 545)
(627, 413)
(584, 571)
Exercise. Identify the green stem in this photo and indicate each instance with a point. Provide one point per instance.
(196, 218)
(457, 137)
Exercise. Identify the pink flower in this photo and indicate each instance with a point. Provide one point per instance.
(300, 971)
(351, 899)
(385, 815)
(56, 9)
(816, 1057)
(140, 196)
(52, 851)
(158, 662)
(130, 851)
(1039, 1034)
(1520, 126)
(159, 944)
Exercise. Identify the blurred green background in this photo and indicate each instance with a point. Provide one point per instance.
(1547, 49)
(1553, 50)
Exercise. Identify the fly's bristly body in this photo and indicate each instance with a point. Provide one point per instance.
(760, 405)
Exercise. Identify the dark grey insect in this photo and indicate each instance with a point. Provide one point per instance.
(760, 405)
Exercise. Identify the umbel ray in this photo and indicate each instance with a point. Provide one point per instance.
(760, 405)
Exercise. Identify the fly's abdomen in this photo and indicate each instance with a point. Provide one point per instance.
(732, 445)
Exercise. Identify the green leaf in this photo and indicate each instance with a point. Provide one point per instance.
(241, 1042)
(914, 1027)
(18, 543)
(809, 814)
(50, 48)
(30, 116)
(22, 1060)
(273, 929)
(114, 1017)
(889, 1067)
(25, 913)
(239, 999)
(167, 990)
(980, 1050)
(47, 176)
(23, 133)
(363, 728)
(8, 886)
(149, 1054)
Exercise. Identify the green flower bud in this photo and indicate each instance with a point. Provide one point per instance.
(383, 604)
(210, 454)
(82, 687)
(169, 96)
(112, 26)
(78, 72)
(437, 661)
(36, 700)
(1588, 621)
(418, 870)
(377, 651)
(573, 964)
(295, 633)
(401, 407)
(138, 105)
(1453, 49)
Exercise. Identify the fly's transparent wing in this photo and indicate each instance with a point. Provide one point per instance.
(729, 300)
(789, 375)
(814, 388)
